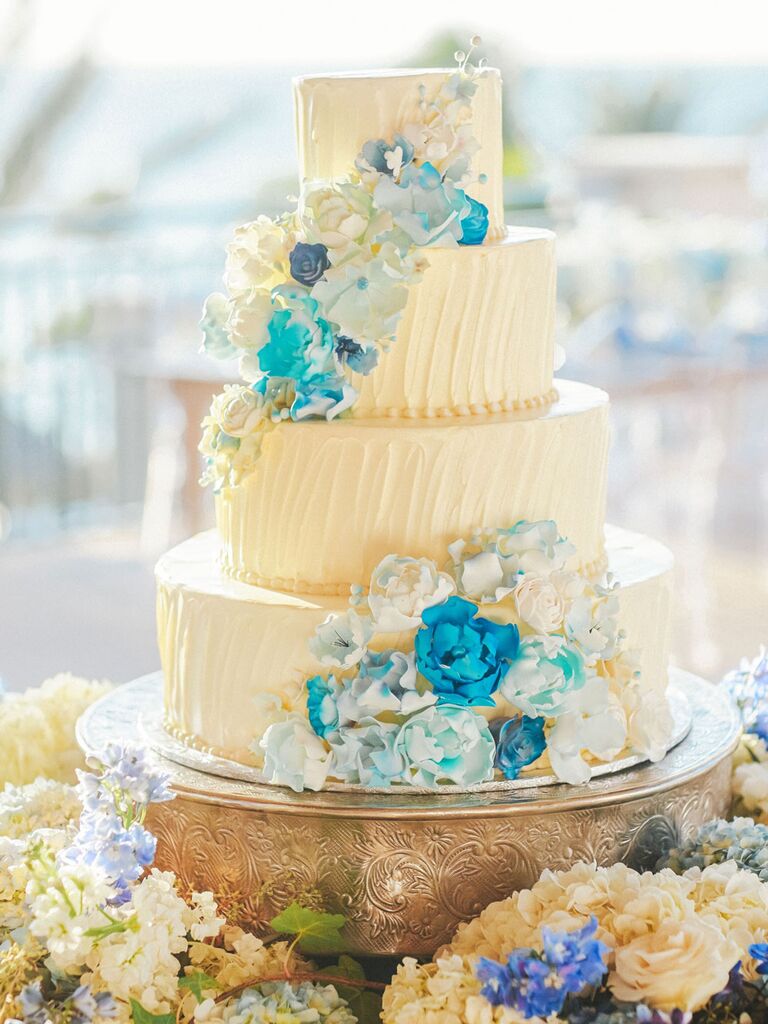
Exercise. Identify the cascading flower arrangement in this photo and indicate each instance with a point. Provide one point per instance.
(505, 658)
(314, 297)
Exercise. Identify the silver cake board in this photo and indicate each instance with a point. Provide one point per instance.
(406, 867)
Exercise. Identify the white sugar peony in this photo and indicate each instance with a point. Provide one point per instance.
(594, 722)
(294, 755)
(539, 604)
(401, 588)
(257, 257)
(238, 410)
(341, 640)
(248, 320)
(341, 217)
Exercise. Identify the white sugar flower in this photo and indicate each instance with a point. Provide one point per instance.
(539, 604)
(295, 756)
(591, 621)
(341, 640)
(342, 217)
(536, 547)
(401, 588)
(238, 411)
(248, 320)
(366, 298)
(649, 719)
(257, 257)
(593, 722)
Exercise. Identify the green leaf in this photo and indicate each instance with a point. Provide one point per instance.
(142, 1016)
(198, 982)
(365, 1005)
(316, 931)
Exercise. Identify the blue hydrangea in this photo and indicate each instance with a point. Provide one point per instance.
(519, 742)
(308, 262)
(759, 952)
(748, 687)
(463, 655)
(759, 727)
(740, 840)
(537, 984)
(474, 224)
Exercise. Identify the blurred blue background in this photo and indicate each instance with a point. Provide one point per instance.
(133, 137)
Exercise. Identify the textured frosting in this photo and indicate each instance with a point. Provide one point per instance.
(327, 501)
(222, 643)
(476, 335)
(336, 114)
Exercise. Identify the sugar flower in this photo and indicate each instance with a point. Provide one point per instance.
(309, 262)
(535, 547)
(427, 207)
(358, 358)
(648, 714)
(386, 157)
(402, 588)
(591, 721)
(247, 325)
(294, 755)
(680, 965)
(366, 299)
(519, 742)
(539, 604)
(216, 342)
(591, 622)
(341, 640)
(300, 344)
(342, 217)
(543, 675)
(446, 744)
(366, 754)
(463, 655)
(238, 411)
(257, 257)
(474, 224)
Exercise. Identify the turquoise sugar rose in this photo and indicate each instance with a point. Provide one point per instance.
(464, 656)
(519, 742)
(543, 675)
(428, 208)
(300, 342)
(474, 225)
(446, 744)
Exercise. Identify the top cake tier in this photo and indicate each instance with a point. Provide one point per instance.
(337, 114)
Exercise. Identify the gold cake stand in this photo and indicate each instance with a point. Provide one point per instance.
(405, 868)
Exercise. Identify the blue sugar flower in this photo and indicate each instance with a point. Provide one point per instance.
(446, 744)
(475, 223)
(309, 261)
(519, 742)
(423, 205)
(300, 346)
(578, 956)
(322, 706)
(463, 656)
(359, 358)
(216, 341)
(383, 157)
(540, 679)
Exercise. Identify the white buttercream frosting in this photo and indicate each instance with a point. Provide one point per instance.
(336, 114)
(328, 501)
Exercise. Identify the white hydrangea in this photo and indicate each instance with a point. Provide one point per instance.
(44, 803)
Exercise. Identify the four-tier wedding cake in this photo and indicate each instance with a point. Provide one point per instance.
(411, 583)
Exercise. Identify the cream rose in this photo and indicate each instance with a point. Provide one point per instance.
(401, 588)
(238, 410)
(681, 966)
(539, 604)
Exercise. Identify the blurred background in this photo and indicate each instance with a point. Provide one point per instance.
(135, 136)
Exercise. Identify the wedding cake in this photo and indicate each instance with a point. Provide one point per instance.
(411, 582)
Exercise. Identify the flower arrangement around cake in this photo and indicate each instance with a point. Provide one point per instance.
(91, 931)
(315, 296)
(504, 660)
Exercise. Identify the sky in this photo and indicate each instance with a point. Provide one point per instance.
(159, 33)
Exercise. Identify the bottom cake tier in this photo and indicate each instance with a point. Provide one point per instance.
(228, 648)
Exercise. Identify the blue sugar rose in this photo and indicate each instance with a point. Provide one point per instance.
(475, 223)
(463, 656)
(519, 742)
(309, 261)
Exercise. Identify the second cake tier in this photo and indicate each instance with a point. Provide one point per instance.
(328, 501)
